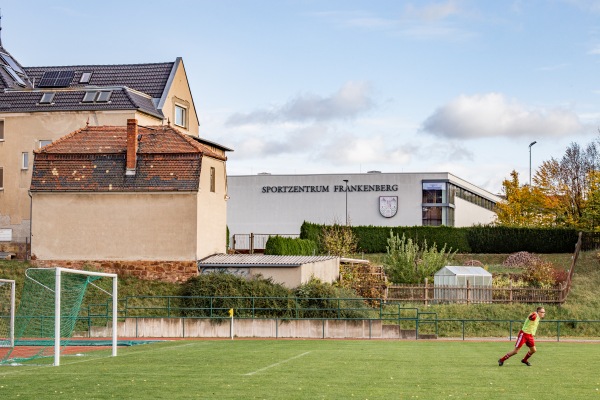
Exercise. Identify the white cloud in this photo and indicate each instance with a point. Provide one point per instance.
(433, 12)
(349, 101)
(492, 115)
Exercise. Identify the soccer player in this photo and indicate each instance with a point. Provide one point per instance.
(526, 337)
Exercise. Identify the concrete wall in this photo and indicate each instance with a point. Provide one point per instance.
(114, 226)
(468, 214)
(250, 328)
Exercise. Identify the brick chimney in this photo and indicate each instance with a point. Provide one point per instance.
(132, 146)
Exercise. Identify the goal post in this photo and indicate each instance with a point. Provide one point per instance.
(51, 314)
(7, 313)
(57, 308)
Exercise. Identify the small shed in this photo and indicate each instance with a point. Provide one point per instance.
(290, 271)
(458, 284)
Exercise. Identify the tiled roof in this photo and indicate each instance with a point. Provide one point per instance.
(94, 159)
(120, 99)
(256, 260)
(146, 78)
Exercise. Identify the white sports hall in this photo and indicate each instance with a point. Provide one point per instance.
(268, 204)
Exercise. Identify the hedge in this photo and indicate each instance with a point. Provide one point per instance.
(474, 239)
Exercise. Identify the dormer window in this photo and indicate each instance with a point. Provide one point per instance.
(102, 96)
(85, 77)
(47, 98)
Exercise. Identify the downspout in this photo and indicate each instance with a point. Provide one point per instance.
(28, 256)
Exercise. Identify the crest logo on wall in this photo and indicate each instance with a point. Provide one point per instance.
(388, 206)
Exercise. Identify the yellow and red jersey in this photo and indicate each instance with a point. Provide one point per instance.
(531, 323)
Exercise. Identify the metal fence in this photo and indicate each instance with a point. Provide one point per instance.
(252, 242)
(421, 323)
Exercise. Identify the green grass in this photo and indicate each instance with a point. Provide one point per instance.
(314, 369)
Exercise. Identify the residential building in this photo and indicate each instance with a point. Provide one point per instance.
(41, 104)
(145, 200)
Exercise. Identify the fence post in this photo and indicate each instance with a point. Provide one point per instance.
(251, 250)
(426, 292)
(468, 291)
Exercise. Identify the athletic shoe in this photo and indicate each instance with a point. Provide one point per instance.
(526, 363)
(500, 362)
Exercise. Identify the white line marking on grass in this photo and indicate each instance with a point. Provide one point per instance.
(276, 364)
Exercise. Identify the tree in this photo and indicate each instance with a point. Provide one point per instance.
(568, 182)
(524, 205)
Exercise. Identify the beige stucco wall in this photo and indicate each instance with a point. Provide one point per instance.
(327, 271)
(23, 133)
(180, 93)
(114, 226)
(212, 210)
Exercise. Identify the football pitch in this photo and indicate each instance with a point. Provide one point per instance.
(313, 369)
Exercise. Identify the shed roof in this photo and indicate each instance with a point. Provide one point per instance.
(259, 260)
(460, 270)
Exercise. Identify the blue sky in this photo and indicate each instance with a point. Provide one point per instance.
(352, 86)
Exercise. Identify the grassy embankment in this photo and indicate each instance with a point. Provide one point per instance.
(583, 302)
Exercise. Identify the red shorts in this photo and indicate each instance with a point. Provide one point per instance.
(524, 338)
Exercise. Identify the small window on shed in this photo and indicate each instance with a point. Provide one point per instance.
(1, 130)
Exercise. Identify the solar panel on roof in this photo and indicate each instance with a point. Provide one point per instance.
(12, 63)
(56, 79)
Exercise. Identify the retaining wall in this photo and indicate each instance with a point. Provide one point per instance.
(254, 328)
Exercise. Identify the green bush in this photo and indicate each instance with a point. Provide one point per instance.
(407, 262)
(284, 246)
(213, 294)
(477, 239)
(321, 300)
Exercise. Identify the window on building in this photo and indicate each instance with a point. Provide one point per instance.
(180, 116)
(6, 235)
(1, 131)
(47, 98)
(85, 77)
(44, 143)
(1, 178)
(212, 179)
(25, 160)
(432, 216)
(96, 96)
(434, 192)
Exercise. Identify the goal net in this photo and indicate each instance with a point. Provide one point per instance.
(49, 312)
(7, 313)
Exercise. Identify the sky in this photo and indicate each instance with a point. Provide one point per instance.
(316, 87)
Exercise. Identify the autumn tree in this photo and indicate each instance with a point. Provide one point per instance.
(523, 205)
(568, 183)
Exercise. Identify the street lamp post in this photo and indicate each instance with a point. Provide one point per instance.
(346, 180)
(530, 144)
